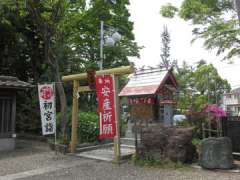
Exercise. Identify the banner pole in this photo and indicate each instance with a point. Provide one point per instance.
(55, 141)
(55, 134)
(47, 98)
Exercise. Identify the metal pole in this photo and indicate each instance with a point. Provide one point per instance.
(55, 139)
(203, 131)
(216, 95)
(101, 44)
(237, 7)
(208, 95)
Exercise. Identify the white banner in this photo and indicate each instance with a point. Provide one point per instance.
(46, 93)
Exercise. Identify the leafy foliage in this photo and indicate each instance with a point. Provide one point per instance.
(199, 86)
(184, 123)
(215, 21)
(204, 11)
(36, 33)
(168, 10)
(88, 127)
(162, 164)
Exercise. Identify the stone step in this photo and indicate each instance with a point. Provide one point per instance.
(127, 146)
(129, 141)
(89, 148)
(125, 143)
(236, 155)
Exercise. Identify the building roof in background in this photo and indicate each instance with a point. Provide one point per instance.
(145, 82)
(236, 90)
(13, 83)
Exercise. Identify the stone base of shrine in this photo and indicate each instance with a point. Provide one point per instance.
(106, 153)
(7, 144)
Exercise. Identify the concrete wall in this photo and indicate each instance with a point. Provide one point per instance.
(7, 144)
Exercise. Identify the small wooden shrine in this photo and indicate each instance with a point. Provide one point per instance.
(8, 87)
(150, 95)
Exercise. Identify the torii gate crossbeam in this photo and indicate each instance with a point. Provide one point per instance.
(76, 89)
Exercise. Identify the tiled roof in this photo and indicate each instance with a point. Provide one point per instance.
(13, 83)
(144, 82)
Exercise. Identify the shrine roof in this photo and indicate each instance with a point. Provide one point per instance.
(13, 83)
(145, 82)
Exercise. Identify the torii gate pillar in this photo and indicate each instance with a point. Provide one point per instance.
(76, 89)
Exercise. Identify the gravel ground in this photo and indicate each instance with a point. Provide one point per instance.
(29, 155)
(96, 170)
(33, 155)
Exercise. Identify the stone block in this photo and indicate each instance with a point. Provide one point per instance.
(216, 153)
(7, 144)
(168, 142)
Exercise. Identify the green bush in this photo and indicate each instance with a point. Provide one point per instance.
(162, 164)
(184, 123)
(88, 128)
(196, 142)
(194, 120)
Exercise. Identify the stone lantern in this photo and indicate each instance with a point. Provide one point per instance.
(8, 88)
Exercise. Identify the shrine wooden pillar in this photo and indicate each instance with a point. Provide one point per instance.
(74, 138)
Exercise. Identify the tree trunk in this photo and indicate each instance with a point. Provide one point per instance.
(63, 103)
(48, 32)
(61, 93)
(53, 62)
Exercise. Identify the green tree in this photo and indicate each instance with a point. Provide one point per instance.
(48, 16)
(42, 40)
(200, 86)
(215, 21)
(168, 10)
(76, 34)
(209, 83)
(21, 47)
(85, 36)
(184, 74)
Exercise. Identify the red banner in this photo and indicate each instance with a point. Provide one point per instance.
(105, 95)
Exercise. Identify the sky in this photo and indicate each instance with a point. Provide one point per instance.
(148, 25)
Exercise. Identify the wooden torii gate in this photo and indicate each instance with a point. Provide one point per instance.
(116, 72)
